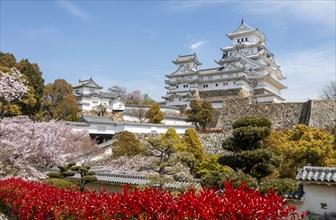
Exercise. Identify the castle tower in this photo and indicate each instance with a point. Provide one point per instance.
(260, 69)
(182, 84)
(246, 68)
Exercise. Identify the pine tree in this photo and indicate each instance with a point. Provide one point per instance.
(249, 154)
(154, 114)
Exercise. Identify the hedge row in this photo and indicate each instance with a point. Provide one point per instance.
(33, 200)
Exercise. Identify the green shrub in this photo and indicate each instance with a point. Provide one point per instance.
(237, 178)
(280, 186)
(61, 183)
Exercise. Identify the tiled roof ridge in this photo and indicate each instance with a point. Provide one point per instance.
(317, 174)
(122, 175)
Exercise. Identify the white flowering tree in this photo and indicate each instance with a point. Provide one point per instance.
(27, 147)
(13, 86)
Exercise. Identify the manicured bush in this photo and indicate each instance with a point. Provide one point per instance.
(33, 200)
(280, 186)
(61, 183)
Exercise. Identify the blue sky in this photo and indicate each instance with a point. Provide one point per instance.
(132, 43)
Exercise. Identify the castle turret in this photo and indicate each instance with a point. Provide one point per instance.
(187, 61)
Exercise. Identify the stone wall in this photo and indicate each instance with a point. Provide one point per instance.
(323, 114)
(315, 113)
(224, 93)
(212, 143)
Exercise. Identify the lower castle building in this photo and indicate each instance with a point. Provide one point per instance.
(246, 69)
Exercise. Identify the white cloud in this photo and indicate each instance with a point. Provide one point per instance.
(197, 45)
(307, 72)
(194, 43)
(73, 9)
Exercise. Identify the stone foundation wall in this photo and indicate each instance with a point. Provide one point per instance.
(224, 93)
(315, 113)
(116, 116)
(323, 114)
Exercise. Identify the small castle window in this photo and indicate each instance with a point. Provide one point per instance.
(324, 205)
(245, 39)
(216, 84)
(238, 41)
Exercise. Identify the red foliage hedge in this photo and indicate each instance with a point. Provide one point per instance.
(33, 200)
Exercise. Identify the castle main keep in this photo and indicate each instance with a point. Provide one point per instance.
(246, 69)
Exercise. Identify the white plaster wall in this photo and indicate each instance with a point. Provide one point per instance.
(175, 121)
(132, 127)
(118, 105)
(87, 90)
(317, 194)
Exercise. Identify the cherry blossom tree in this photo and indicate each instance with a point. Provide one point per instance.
(28, 147)
(13, 86)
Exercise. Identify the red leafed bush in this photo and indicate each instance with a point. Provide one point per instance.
(33, 200)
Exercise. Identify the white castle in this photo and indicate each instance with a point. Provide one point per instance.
(247, 68)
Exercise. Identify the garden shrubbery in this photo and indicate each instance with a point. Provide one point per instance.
(33, 200)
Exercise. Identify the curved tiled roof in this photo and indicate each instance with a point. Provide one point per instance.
(317, 174)
(104, 175)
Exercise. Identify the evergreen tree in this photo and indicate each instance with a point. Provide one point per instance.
(59, 102)
(201, 114)
(86, 176)
(249, 154)
(195, 148)
(154, 114)
(36, 84)
(167, 162)
(302, 146)
(206, 115)
(126, 144)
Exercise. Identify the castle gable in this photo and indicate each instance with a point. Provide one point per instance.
(183, 71)
(87, 83)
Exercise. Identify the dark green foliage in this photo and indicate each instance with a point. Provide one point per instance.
(54, 175)
(63, 172)
(35, 80)
(237, 178)
(126, 144)
(248, 151)
(200, 113)
(280, 186)
(258, 163)
(252, 121)
(86, 176)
